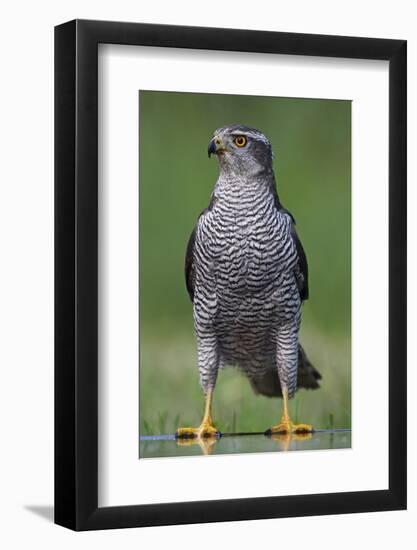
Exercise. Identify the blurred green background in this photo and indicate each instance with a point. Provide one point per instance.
(311, 140)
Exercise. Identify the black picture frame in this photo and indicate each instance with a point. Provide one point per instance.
(76, 273)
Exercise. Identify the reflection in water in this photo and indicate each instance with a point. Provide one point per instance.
(168, 446)
(284, 440)
(206, 444)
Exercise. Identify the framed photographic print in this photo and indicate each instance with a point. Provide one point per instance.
(230, 274)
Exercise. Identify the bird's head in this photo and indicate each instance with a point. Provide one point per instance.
(241, 150)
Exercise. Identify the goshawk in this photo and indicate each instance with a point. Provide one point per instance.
(247, 275)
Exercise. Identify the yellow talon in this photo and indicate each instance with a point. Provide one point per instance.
(203, 431)
(286, 426)
(206, 428)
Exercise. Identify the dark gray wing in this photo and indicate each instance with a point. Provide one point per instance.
(302, 266)
(302, 272)
(189, 255)
(190, 265)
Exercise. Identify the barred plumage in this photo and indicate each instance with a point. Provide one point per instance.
(247, 274)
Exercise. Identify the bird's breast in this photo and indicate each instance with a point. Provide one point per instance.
(245, 251)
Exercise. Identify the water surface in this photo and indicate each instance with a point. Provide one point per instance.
(168, 446)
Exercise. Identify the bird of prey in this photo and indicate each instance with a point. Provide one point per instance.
(247, 276)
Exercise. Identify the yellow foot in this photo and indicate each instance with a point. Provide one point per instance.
(204, 431)
(287, 427)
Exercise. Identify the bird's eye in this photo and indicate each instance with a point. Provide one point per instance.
(240, 141)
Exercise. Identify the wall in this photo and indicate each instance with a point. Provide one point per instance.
(26, 299)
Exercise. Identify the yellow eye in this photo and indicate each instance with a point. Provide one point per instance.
(240, 141)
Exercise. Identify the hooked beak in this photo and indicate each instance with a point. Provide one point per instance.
(216, 146)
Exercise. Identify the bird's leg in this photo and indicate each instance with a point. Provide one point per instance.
(286, 426)
(206, 428)
(208, 364)
(287, 363)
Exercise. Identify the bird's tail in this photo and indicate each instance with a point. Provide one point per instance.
(268, 383)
